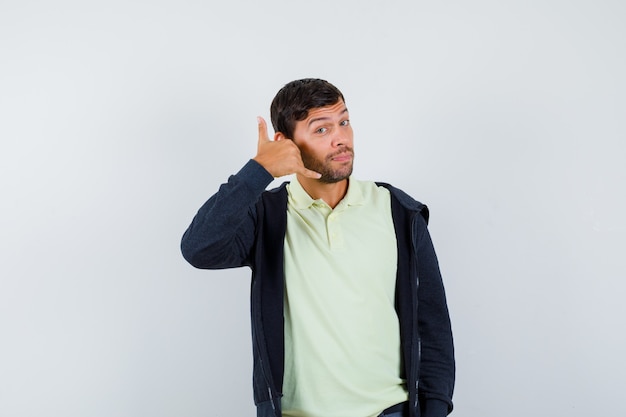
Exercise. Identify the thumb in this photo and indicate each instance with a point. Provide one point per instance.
(263, 137)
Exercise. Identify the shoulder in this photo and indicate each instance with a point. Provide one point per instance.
(282, 188)
(405, 200)
(368, 189)
(276, 195)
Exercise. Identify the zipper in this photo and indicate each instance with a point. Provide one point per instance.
(416, 357)
(261, 356)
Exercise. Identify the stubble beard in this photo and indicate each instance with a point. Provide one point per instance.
(329, 174)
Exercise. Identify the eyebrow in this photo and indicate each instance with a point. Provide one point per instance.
(317, 119)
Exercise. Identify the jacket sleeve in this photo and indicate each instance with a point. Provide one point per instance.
(437, 366)
(222, 233)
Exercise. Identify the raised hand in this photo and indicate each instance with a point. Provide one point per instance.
(281, 156)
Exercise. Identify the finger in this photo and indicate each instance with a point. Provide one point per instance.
(310, 174)
(263, 137)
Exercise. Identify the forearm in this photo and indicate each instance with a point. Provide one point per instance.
(222, 232)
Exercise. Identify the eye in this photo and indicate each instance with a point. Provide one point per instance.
(345, 123)
(321, 130)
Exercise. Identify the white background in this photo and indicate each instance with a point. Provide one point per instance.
(119, 118)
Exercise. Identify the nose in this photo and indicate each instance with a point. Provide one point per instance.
(338, 140)
(341, 137)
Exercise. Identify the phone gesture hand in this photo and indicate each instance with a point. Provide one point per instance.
(281, 156)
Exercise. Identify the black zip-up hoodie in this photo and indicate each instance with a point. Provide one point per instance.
(244, 225)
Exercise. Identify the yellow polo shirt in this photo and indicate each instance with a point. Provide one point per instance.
(342, 337)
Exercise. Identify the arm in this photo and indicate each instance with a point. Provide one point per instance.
(437, 367)
(221, 234)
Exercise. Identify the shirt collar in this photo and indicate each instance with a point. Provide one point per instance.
(302, 200)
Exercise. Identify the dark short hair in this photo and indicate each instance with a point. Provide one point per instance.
(293, 102)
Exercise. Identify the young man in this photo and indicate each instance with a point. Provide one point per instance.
(349, 316)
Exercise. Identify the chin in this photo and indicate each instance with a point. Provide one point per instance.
(335, 177)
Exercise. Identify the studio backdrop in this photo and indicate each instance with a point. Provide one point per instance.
(118, 119)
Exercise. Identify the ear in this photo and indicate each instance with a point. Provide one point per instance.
(279, 136)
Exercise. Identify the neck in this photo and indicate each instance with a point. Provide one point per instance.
(332, 193)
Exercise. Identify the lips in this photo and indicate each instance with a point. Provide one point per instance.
(342, 156)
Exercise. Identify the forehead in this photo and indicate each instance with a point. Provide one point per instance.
(331, 111)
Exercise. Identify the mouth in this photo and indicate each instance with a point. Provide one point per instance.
(342, 157)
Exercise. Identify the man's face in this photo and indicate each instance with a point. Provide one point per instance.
(325, 142)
